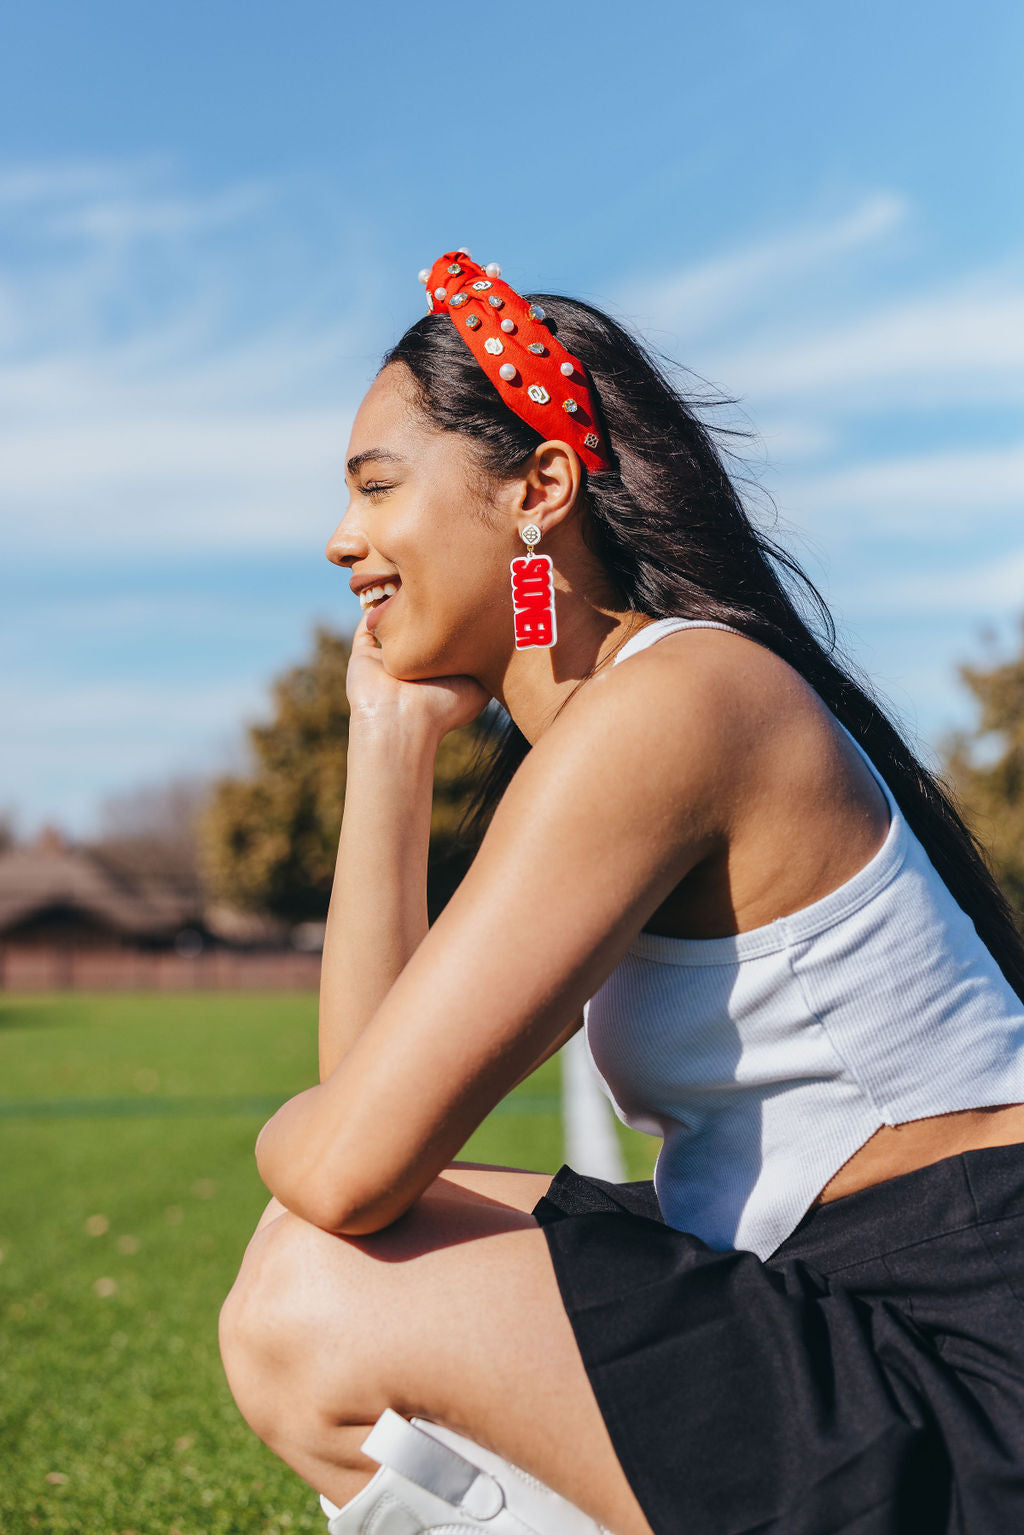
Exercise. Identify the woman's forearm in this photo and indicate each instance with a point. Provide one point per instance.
(378, 910)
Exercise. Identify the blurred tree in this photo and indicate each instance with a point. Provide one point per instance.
(269, 840)
(986, 767)
(8, 830)
(150, 835)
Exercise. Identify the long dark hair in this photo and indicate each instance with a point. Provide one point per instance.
(676, 540)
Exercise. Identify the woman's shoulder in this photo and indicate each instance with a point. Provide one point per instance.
(766, 736)
(718, 683)
(705, 647)
(695, 713)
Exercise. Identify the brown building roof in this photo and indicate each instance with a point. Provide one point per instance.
(35, 879)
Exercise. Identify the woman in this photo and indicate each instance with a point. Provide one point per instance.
(796, 969)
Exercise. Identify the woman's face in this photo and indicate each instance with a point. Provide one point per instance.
(419, 518)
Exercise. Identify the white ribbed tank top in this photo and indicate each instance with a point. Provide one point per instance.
(765, 1060)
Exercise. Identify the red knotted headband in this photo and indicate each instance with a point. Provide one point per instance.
(530, 368)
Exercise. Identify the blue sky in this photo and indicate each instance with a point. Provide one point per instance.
(211, 218)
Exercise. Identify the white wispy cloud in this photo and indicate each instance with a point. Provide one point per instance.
(991, 587)
(134, 424)
(819, 377)
(963, 345)
(66, 746)
(271, 480)
(67, 182)
(118, 201)
(858, 345)
(122, 219)
(128, 709)
(706, 296)
(944, 496)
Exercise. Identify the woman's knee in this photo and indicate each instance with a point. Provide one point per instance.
(288, 1292)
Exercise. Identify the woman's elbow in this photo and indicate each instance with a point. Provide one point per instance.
(323, 1179)
(343, 1206)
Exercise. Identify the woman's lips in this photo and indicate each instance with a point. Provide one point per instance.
(373, 615)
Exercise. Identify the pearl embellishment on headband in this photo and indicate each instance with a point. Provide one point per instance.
(424, 275)
(508, 325)
(507, 371)
(492, 269)
(440, 292)
(568, 369)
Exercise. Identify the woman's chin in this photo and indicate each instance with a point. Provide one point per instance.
(403, 666)
(441, 651)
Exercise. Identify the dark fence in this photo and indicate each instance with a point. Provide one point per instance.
(46, 968)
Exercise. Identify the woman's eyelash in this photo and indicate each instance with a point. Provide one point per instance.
(374, 489)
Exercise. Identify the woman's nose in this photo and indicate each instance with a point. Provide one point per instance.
(347, 543)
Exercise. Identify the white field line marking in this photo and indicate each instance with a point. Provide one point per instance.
(591, 1145)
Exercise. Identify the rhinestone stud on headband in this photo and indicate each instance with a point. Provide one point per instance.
(532, 378)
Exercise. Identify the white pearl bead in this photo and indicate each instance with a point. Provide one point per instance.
(424, 275)
(465, 252)
(493, 269)
(440, 292)
(507, 325)
(507, 372)
(568, 369)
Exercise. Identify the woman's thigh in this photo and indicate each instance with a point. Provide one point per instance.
(453, 1313)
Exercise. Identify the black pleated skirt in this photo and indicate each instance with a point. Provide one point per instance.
(867, 1378)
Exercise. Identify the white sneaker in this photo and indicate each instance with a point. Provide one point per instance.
(432, 1479)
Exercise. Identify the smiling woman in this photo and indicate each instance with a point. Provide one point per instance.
(709, 847)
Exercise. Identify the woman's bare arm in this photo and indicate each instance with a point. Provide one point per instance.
(378, 911)
(552, 1049)
(574, 863)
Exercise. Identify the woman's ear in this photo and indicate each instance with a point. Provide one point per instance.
(551, 484)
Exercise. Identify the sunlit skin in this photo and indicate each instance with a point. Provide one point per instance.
(383, 1273)
(427, 516)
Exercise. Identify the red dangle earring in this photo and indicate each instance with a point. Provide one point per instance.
(533, 593)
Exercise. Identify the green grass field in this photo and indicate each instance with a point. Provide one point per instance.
(126, 1130)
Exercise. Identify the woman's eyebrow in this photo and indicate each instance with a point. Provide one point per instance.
(372, 456)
